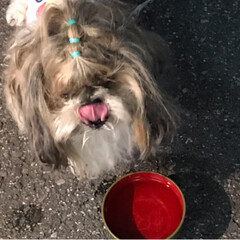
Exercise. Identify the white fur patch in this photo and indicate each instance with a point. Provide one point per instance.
(99, 150)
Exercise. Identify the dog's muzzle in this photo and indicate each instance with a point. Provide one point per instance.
(94, 115)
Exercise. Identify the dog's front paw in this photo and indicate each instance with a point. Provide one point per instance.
(16, 14)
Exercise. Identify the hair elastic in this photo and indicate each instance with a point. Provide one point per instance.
(70, 22)
(74, 40)
(76, 54)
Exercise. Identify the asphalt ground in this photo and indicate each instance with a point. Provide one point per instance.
(36, 202)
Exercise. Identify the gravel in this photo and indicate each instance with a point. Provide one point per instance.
(37, 202)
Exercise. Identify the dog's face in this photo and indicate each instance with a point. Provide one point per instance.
(90, 102)
(57, 97)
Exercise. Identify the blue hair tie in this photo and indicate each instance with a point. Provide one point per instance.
(74, 40)
(70, 22)
(76, 54)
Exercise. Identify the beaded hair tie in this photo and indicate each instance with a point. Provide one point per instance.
(73, 40)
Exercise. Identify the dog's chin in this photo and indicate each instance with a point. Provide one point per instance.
(91, 149)
(94, 152)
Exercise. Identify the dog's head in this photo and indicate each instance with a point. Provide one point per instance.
(89, 73)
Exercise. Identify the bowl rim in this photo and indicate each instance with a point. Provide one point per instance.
(126, 175)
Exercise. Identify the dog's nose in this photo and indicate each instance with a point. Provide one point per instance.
(94, 114)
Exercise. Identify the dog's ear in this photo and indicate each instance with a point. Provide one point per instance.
(162, 118)
(25, 98)
(158, 124)
(37, 119)
(141, 136)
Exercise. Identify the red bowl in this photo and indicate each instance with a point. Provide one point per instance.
(143, 205)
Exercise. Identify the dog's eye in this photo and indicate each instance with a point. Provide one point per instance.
(65, 96)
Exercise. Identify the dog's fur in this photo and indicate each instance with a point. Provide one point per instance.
(119, 65)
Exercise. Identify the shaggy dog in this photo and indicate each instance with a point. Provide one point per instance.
(81, 83)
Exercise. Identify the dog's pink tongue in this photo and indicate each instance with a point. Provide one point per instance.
(93, 112)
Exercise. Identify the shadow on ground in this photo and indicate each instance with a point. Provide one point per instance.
(205, 82)
(208, 207)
